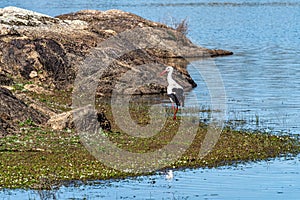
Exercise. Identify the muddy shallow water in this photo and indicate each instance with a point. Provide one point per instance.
(262, 86)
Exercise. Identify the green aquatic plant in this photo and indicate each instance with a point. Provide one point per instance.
(41, 158)
(19, 87)
(44, 158)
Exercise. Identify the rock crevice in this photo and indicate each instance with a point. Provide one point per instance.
(47, 52)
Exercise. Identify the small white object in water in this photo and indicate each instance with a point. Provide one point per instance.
(170, 175)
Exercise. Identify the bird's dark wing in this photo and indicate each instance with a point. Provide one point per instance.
(177, 96)
(174, 99)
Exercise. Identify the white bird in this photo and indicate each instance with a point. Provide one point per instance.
(174, 91)
(170, 175)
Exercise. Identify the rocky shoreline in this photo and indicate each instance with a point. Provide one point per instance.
(42, 54)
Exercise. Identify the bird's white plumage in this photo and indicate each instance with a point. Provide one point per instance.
(171, 82)
(174, 90)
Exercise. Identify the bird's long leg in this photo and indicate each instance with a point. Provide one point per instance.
(173, 108)
(176, 109)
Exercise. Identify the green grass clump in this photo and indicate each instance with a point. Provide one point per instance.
(42, 159)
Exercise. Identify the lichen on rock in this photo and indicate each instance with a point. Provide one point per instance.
(47, 52)
(13, 111)
(55, 47)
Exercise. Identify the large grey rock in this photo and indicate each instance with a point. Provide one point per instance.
(49, 51)
(67, 120)
(13, 111)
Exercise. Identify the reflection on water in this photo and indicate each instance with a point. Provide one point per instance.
(259, 94)
(273, 179)
(267, 99)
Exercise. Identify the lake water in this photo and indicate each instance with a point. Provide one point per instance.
(273, 179)
(262, 84)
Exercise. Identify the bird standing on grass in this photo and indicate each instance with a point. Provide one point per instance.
(174, 91)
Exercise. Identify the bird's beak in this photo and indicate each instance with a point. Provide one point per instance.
(163, 72)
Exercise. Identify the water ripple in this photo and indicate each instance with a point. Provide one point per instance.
(220, 4)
